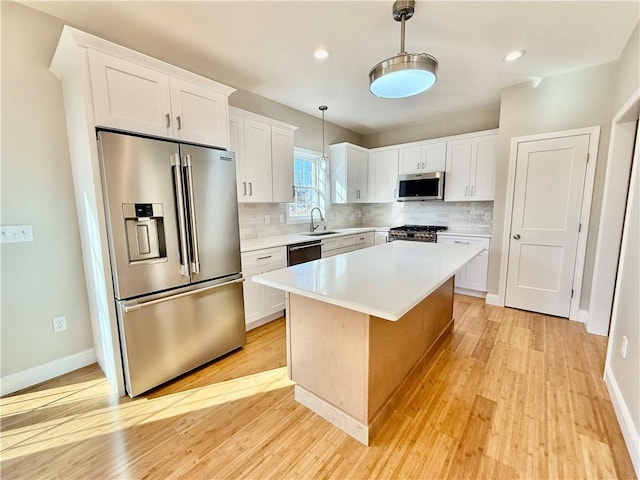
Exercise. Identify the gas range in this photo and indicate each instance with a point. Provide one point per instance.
(416, 233)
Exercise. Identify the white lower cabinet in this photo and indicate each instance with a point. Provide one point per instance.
(346, 243)
(261, 303)
(380, 237)
(474, 275)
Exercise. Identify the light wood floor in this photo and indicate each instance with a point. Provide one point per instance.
(510, 394)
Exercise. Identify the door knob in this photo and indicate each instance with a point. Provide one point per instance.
(517, 236)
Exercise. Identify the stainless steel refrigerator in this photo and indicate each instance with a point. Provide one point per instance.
(174, 246)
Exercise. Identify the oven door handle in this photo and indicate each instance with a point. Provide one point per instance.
(300, 247)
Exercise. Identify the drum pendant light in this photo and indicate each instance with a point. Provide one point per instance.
(406, 74)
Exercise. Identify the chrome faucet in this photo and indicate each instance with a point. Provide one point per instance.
(312, 227)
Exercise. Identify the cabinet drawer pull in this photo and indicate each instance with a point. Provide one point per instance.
(418, 166)
(466, 190)
(168, 117)
(244, 189)
(362, 238)
(264, 258)
(250, 188)
(179, 122)
(460, 241)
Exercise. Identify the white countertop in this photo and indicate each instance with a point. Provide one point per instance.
(385, 281)
(250, 244)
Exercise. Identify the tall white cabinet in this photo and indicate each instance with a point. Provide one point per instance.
(471, 168)
(349, 173)
(107, 85)
(264, 157)
(383, 174)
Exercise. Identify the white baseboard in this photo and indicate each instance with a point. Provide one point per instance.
(629, 432)
(33, 376)
(493, 299)
(583, 316)
(471, 293)
(264, 320)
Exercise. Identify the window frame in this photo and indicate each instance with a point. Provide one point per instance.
(320, 177)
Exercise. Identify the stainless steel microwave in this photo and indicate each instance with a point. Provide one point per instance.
(421, 187)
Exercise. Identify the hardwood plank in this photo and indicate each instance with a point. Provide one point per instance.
(546, 416)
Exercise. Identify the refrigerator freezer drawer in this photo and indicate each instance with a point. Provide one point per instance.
(164, 337)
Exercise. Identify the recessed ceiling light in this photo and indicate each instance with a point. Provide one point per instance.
(516, 54)
(321, 54)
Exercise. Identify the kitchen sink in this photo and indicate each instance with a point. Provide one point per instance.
(319, 234)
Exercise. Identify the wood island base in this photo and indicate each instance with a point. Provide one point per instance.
(352, 368)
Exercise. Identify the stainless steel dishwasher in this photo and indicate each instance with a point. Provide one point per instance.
(303, 252)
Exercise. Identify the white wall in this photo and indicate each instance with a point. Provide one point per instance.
(582, 98)
(623, 374)
(44, 278)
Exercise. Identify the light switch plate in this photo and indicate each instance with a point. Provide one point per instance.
(16, 234)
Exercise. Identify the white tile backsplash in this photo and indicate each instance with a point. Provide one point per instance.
(467, 216)
(253, 225)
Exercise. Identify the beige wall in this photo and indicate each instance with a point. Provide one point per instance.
(309, 132)
(628, 70)
(582, 98)
(44, 278)
(435, 128)
(626, 310)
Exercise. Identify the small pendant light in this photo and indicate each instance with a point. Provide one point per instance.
(323, 160)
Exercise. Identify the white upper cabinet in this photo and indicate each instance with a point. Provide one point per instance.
(383, 174)
(470, 169)
(349, 173)
(433, 156)
(422, 158)
(282, 164)
(257, 159)
(199, 114)
(264, 157)
(129, 97)
(133, 97)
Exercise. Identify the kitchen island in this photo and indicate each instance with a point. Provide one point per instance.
(361, 324)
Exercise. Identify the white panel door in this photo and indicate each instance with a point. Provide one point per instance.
(199, 114)
(383, 175)
(545, 221)
(282, 164)
(257, 152)
(129, 97)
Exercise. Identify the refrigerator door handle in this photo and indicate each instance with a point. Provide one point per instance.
(138, 306)
(182, 228)
(193, 229)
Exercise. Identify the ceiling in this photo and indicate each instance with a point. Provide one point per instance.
(267, 47)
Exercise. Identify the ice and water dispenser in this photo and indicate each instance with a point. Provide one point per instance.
(144, 226)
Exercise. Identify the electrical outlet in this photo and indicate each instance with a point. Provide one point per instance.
(623, 347)
(267, 219)
(16, 234)
(59, 324)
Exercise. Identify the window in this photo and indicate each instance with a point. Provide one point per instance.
(309, 179)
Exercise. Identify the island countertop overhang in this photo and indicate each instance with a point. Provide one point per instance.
(385, 281)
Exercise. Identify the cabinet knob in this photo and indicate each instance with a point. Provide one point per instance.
(516, 236)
